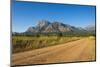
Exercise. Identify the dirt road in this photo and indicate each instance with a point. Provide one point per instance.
(80, 50)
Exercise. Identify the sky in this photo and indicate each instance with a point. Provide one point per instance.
(27, 14)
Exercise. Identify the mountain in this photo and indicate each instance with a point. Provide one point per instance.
(45, 26)
(90, 28)
(48, 28)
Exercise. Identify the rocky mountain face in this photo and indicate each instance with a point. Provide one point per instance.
(45, 26)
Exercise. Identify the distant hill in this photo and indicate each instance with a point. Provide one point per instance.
(90, 29)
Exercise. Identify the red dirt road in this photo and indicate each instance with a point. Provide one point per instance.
(80, 50)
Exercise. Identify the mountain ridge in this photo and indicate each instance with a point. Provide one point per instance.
(45, 26)
(55, 28)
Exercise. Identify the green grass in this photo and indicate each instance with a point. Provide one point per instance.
(25, 43)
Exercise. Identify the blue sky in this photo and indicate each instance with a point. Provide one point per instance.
(26, 14)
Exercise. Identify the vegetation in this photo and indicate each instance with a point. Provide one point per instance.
(24, 43)
(30, 41)
(68, 34)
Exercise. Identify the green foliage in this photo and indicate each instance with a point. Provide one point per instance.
(60, 34)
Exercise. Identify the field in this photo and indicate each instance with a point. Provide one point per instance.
(61, 49)
(25, 43)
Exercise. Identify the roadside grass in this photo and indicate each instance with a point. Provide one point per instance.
(25, 43)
